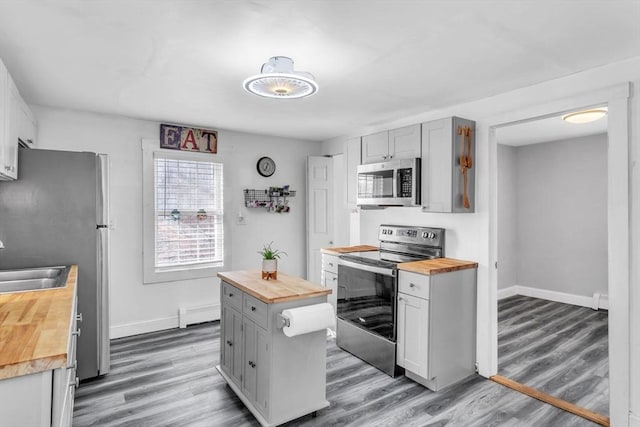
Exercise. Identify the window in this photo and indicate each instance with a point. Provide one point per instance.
(183, 214)
(188, 217)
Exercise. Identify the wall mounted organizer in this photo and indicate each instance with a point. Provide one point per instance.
(274, 199)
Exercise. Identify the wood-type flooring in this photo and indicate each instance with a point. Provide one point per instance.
(559, 349)
(169, 378)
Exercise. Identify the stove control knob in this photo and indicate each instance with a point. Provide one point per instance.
(425, 235)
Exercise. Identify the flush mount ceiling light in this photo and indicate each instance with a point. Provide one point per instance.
(586, 116)
(279, 80)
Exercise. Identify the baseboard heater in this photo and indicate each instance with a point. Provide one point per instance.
(204, 313)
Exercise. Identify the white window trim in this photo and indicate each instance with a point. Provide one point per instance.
(151, 274)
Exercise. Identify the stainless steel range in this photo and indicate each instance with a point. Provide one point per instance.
(367, 287)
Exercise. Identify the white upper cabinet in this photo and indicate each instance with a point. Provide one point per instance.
(446, 186)
(404, 143)
(16, 123)
(351, 160)
(401, 143)
(375, 147)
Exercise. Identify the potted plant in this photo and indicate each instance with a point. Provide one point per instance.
(270, 259)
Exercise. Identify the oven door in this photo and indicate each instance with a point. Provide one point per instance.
(367, 297)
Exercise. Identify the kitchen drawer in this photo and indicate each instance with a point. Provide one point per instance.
(232, 295)
(256, 310)
(330, 263)
(413, 284)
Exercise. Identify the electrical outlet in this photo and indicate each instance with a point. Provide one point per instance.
(241, 219)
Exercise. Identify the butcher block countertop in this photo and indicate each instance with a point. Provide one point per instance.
(286, 288)
(347, 249)
(436, 266)
(34, 329)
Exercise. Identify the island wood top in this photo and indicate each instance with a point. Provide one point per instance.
(286, 288)
(436, 266)
(348, 249)
(34, 329)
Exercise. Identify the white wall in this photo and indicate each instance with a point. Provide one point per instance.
(135, 307)
(507, 217)
(562, 215)
(471, 233)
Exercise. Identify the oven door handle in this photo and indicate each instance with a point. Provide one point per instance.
(370, 268)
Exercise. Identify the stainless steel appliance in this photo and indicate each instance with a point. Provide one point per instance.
(392, 183)
(56, 213)
(367, 289)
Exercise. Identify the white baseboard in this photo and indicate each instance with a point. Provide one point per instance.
(595, 302)
(507, 292)
(143, 327)
(191, 315)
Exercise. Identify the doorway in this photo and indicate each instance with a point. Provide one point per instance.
(552, 261)
(618, 223)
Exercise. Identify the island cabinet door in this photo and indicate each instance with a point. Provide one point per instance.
(255, 384)
(413, 334)
(232, 343)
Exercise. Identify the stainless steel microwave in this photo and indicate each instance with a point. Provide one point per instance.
(392, 183)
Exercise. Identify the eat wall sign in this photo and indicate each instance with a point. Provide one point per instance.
(188, 139)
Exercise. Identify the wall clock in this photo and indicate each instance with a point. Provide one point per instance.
(266, 166)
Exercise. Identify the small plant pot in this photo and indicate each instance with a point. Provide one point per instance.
(270, 269)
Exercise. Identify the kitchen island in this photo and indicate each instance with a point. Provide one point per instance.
(278, 377)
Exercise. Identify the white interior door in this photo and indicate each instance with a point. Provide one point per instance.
(319, 212)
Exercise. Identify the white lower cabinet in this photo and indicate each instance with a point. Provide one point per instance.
(256, 365)
(231, 351)
(437, 326)
(329, 277)
(413, 333)
(43, 398)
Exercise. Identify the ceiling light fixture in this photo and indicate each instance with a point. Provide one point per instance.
(279, 80)
(586, 116)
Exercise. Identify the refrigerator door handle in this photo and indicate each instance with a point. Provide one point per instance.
(104, 350)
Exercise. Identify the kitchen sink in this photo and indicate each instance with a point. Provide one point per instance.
(33, 279)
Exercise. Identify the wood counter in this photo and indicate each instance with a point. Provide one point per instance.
(286, 288)
(348, 249)
(436, 266)
(34, 328)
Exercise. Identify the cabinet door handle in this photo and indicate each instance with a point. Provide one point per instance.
(229, 343)
(253, 308)
(77, 333)
(79, 317)
(230, 294)
(334, 279)
(412, 285)
(331, 264)
(400, 299)
(7, 168)
(390, 157)
(253, 365)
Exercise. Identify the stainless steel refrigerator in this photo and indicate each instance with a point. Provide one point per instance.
(56, 213)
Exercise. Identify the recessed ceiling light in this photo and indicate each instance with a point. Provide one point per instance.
(279, 80)
(585, 116)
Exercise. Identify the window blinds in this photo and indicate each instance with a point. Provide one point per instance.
(189, 210)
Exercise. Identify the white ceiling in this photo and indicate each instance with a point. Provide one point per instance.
(183, 61)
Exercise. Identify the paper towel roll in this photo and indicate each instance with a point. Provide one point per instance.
(309, 318)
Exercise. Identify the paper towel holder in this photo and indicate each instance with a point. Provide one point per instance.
(283, 321)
